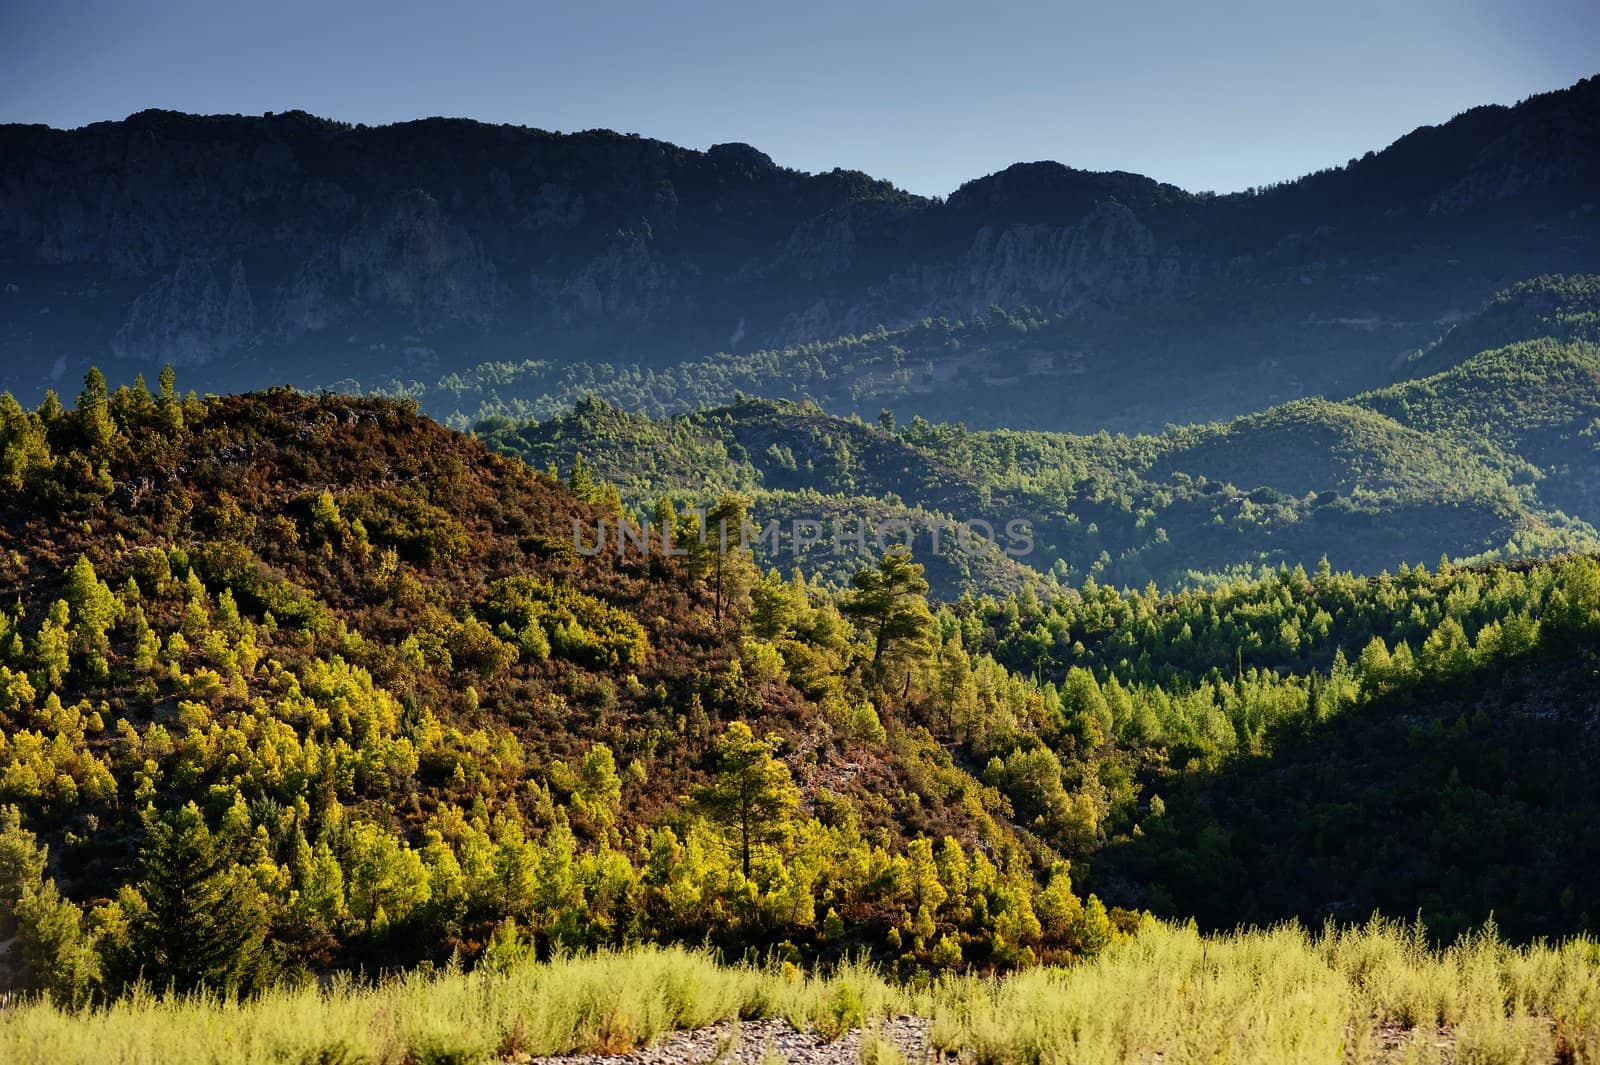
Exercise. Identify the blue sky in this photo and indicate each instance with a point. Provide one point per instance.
(1206, 95)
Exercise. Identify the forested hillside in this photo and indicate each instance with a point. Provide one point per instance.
(297, 683)
(1494, 457)
(1563, 308)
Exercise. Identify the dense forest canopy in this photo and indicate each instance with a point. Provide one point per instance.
(1491, 457)
(291, 683)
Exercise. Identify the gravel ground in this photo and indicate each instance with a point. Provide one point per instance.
(763, 1043)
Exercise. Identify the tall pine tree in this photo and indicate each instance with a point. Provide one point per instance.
(205, 922)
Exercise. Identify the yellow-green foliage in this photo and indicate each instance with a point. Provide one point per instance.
(544, 618)
(1280, 996)
(1272, 997)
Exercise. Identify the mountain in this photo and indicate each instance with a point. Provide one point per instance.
(1493, 457)
(287, 248)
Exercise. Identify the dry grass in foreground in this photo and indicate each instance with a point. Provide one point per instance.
(1274, 997)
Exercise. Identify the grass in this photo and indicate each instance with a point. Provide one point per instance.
(1373, 994)
(1378, 993)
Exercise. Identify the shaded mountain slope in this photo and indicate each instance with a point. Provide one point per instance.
(1493, 458)
(289, 248)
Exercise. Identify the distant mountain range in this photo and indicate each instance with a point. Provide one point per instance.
(441, 256)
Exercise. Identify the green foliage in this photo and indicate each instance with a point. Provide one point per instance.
(752, 796)
(55, 952)
(22, 865)
(200, 919)
(383, 721)
(383, 732)
(1483, 461)
(58, 954)
(891, 605)
(544, 618)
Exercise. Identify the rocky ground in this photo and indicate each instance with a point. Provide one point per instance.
(769, 1042)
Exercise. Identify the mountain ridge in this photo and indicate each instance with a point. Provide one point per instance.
(1488, 458)
(289, 249)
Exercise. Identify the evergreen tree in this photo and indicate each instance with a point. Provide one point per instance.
(23, 444)
(891, 603)
(753, 796)
(958, 691)
(582, 483)
(169, 409)
(205, 922)
(22, 865)
(94, 410)
(52, 647)
(773, 610)
(599, 789)
(94, 609)
(731, 571)
(58, 955)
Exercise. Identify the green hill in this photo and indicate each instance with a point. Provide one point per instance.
(1492, 459)
(296, 684)
(1532, 409)
(1564, 308)
(337, 680)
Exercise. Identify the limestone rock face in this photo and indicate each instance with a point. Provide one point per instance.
(188, 317)
(1110, 256)
(407, 253)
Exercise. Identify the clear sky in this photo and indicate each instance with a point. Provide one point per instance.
(1207, 95)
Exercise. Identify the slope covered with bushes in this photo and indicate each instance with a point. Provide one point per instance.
(295, 683)
(300, 682)
(1493, 459)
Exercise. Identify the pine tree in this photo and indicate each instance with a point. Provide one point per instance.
(599, 792)
(752, 796)
(205, 921)
(94, 410)
(52, 648)
(582, 483)
(731, 572)
(773, 610)
(23, 445)
(22, 865)
(50, 412)
(890, 601)
(95, 608)
(58, 955)
(958, 691)
(169, 408)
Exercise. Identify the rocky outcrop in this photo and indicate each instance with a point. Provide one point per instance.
(188, 318)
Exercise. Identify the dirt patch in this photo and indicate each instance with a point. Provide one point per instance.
(764, 1042)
